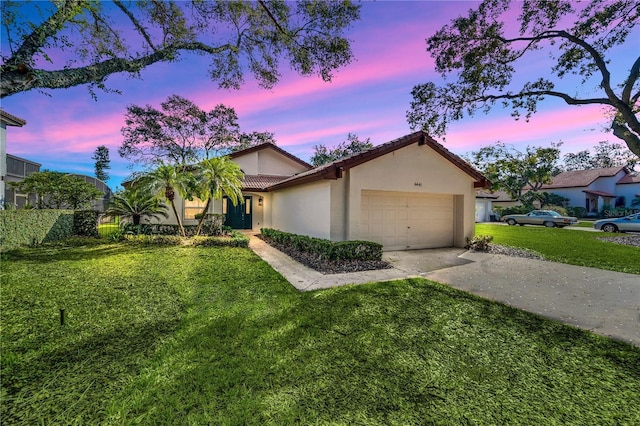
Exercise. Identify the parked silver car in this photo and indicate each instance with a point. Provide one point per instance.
(548, 218)
(629, 223)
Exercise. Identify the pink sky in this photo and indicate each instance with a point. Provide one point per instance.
(369, 97)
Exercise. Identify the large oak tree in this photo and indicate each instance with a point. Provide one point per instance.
(103, 38)
(486, 53)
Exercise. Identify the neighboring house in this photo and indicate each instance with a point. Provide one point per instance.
(484, 205)
(18, 169)
(100, 203)
(405, 194)
(595, 188)
(6, 120)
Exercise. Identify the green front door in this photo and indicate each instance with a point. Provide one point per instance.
(239, 216)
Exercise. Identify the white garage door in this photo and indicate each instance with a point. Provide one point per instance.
(404, 220)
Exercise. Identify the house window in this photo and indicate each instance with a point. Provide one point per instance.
(224, 205)
(247, 207)
(192, 208)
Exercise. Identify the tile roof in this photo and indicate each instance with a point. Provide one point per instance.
(259, 183)
(578, 178)
(334, 170)
(270, 145)
(11, 120)
(630, 178)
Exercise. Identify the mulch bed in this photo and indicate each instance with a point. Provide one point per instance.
(326, 266)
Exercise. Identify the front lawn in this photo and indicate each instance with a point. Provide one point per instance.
(564, 245)
(198, 335)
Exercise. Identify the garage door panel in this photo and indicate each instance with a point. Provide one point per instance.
(406, 220)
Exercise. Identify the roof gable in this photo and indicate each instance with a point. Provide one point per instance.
(629, 179)
(269, 145)
(335, 169)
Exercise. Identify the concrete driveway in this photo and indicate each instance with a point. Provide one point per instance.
(605, 302)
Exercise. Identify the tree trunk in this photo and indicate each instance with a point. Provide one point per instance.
(632, 140)
(204, 214)
(136, 219)
(170, 195)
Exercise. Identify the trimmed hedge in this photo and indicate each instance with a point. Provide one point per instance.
(33, 227)
(325, 249)
(85, 223)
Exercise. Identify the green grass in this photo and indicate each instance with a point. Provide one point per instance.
(583, 224)
(197, 335)
(566, 246)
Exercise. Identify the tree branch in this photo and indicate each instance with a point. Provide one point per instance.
(136, 23)
(38, 37)
(14, 82)
(568, 99)
(633, 77)
(266, 9)
(599, 61)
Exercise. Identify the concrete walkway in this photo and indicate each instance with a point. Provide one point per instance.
(605, 302)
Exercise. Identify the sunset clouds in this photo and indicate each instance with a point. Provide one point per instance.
(369, 97)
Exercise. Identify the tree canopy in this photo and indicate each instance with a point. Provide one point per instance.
(67, 43)
(57, 190)
(102, 162)
(180, 133)
(353, 145)
(485, 54)
(516, 171)
(603, 155)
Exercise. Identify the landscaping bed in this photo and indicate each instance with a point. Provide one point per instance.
(628, 240)
(325, 266)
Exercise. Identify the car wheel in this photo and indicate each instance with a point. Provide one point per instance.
(550, 224)
(609, 227)
(511, 222)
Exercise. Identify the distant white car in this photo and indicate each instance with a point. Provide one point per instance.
(629, 223)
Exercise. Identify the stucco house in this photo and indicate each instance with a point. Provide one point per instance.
(6, 161)
(408, 193)
(595, 188)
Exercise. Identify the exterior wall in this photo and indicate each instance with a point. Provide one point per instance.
(607, 184)
(268, 162)
(576, 196)
(416, 169)
(629, 191)
(303, 209)
(3, 162)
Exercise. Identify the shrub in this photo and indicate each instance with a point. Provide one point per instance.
(558, 209)
(143, 239)
(236, 239)
(85, 223)
(516, 210)
(578, 212)
(479, 243)
(325, 249)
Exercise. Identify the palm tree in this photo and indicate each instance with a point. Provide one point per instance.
(162, 182)
(135, 204)
(217, 177)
